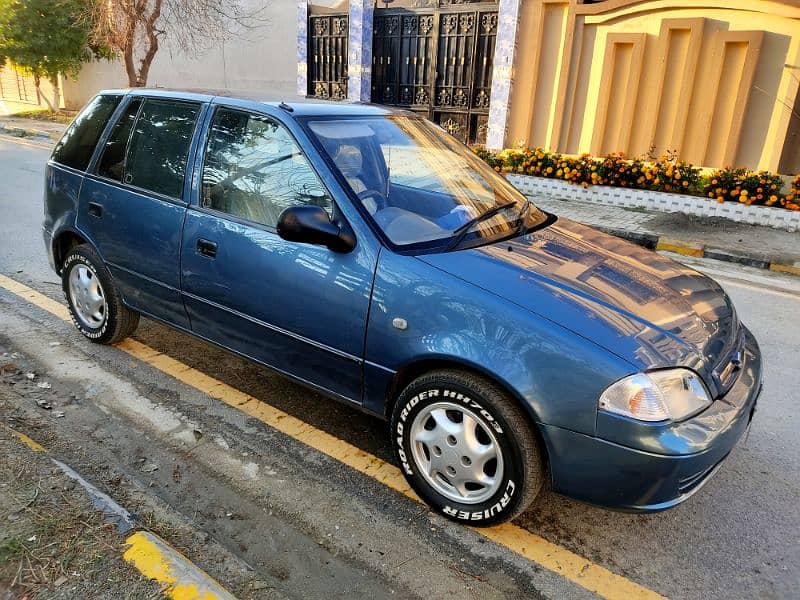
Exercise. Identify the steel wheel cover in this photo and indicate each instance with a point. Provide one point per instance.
(456, 453)
(87, 296)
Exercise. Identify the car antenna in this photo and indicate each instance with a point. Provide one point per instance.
(285, 107)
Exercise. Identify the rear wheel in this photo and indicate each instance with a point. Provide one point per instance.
(466, 448)
(94, 302)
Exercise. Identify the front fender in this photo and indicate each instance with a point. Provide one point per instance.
(554, 373)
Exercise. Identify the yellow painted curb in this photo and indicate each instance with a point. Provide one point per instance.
(179, 577)
(680, 247)
(791, 269)
(553, 557)
(29, 442)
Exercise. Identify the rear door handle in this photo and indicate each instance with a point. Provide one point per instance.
(96, 210)
(207, 248)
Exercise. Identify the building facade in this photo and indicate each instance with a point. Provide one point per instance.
(711, 82)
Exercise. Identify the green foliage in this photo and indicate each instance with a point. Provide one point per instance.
(662, 174)
(45, 37)
(748, 187)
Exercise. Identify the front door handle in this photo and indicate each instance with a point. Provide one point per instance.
(207, 248)
(96, 210)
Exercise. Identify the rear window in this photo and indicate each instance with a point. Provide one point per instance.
(159, 147)
(112, 161)
(77, 145)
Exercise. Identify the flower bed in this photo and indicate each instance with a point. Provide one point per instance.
(543, 187)
(662, 174)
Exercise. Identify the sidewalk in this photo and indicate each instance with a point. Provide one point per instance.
(31, 128)
(720, 239)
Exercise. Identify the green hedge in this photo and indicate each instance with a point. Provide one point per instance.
(662, 174)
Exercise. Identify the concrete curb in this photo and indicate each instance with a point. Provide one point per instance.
(758, 260)
(28, 132)
(151, 555)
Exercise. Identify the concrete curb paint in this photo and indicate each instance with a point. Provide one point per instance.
(680, 247)
(150, 554)
(180, 578)
(756, 260)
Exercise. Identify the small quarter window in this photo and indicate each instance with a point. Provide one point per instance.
(76, 146)
(254, 169)
(112, 162)
(159, 148)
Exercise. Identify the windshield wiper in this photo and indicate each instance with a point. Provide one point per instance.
(462, 230)
(522, 217)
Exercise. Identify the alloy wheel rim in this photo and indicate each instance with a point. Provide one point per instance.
(456, 453)
(87, 296)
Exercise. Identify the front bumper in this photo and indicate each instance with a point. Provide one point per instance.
(668, 464)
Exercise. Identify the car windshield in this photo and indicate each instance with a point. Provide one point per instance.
(420, 185)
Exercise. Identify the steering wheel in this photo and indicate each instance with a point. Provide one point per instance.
(378, 199)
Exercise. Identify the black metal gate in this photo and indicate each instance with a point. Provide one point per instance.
(327, 64)
(438, 61)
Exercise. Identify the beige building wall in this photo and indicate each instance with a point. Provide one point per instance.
(718, 83)
(262, 59)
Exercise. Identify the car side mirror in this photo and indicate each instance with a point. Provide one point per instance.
(311, 225)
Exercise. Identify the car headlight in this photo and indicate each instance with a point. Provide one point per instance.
(671, 394)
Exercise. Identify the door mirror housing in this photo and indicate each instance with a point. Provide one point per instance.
(311, 225)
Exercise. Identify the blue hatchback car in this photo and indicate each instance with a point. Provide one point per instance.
(365, 253)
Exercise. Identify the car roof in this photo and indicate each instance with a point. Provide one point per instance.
(297, 106)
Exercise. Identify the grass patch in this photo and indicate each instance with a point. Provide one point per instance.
(10, 550)
(45, 115)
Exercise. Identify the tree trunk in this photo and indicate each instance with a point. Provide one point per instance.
(152, 43)
(37, 81)
(56, 106)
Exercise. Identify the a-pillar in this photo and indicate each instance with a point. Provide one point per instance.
(359, 59)
(502, 74)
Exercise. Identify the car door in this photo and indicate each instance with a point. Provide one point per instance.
(299, 308)
(132, 202)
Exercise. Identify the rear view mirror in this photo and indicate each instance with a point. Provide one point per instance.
(312, 225)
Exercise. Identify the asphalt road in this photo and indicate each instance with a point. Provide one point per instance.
(739, 537)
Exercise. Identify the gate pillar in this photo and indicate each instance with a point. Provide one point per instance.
(359, 69)
(502, 76)
(302, 47)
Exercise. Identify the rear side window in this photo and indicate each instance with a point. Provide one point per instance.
(159, 147)
(112, 162)
(77, 145)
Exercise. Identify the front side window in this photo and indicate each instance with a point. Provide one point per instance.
(76, 147)
(254, 169)
(420, 185)
(159, 146)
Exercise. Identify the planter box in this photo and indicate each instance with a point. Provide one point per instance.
(778, 218)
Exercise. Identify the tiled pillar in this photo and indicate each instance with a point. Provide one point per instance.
(359, 61)
(302, 47)
(507, 26)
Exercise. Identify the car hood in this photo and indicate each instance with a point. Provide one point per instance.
(643, 307)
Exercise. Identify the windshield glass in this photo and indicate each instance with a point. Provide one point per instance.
(419, 184)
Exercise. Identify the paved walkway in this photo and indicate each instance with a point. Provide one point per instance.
(713, 237)
(22, 127)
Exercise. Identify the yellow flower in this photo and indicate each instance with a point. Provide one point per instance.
(720, 199)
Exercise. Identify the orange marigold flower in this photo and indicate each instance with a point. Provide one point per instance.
(720, 199)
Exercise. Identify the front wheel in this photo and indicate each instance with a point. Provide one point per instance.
(94, 302)
(466, 448)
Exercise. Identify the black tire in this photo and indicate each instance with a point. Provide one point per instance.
(119, 321)
(523, 463)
